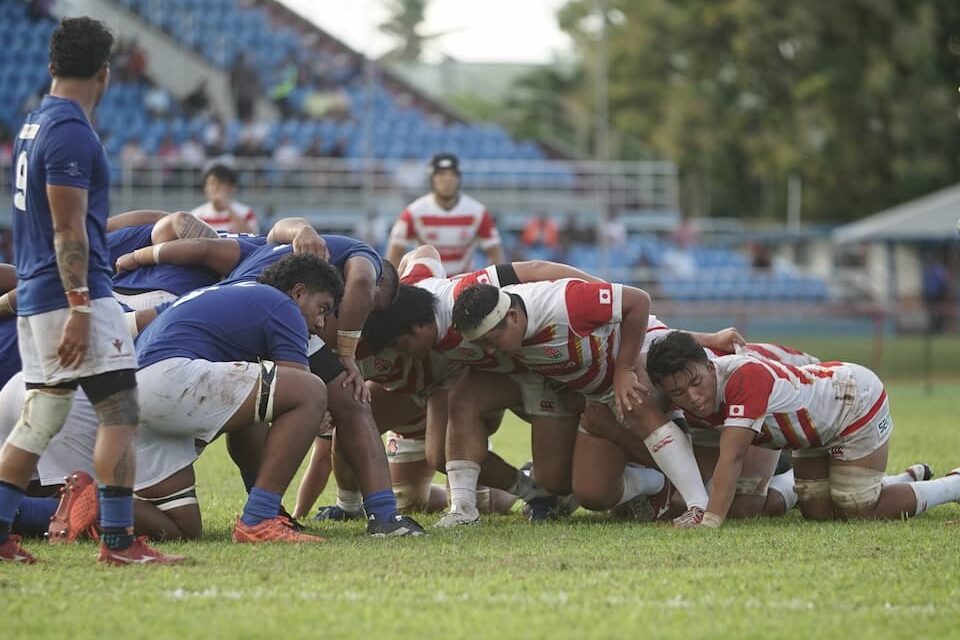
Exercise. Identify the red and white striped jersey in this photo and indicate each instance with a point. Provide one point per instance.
(402, 374)
(573, 332)
(771, 351)
(424, 273)
(227, 220)
(791, 407)
(454, 232)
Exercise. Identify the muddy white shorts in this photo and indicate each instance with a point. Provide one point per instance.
(195, 398)
(145, 300)
(110, 347)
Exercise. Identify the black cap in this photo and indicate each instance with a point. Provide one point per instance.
(443, 161)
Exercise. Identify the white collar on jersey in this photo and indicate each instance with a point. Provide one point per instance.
(492, 319)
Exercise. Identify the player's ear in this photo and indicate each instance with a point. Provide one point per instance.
(298, 291)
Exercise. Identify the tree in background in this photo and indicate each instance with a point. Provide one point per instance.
(406, 17)
(857, 98)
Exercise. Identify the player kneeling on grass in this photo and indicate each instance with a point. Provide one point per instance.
(835, 416)
(225, 358)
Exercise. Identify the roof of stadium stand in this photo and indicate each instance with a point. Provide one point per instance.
(932, 217)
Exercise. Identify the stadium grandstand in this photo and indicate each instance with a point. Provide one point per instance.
(316, 130)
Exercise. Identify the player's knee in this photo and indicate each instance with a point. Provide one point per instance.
(437, 458)
(593, 495)
(412, 496)
(855, 490)
(43, 415)
(181, 515)
(813, 498)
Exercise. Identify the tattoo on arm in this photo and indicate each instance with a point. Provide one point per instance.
(193, 227)
(73, 255)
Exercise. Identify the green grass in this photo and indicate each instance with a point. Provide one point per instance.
(760, 579)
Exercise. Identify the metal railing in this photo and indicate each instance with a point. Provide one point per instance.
(325, 188)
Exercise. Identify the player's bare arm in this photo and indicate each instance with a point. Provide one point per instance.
(301, 234)
(8, 285)
(726, 340)
(220, 255)
(495, 254)
(627, 386)
(734, 442)
(542, 270)
(181, 224)
(134, 218)
(426, 251)
(360, 285)
(68, 209)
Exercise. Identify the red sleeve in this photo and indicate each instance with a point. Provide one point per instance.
(406, 219)
(747, 394)
(482, 276)
(487, 229)
(590, 305)
(416, 273)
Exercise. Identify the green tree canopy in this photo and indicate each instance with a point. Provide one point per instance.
(859, 98)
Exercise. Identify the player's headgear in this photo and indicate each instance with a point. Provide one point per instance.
(443, 161)
(479, 309)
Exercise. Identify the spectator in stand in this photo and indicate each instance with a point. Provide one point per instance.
(286, 84)
(687, 233)
(192, 153)
(287, 155)
(245, 87)
(614, 230)
(132, 154)
(541, 231)
(936, 293)
(158, 102)
(6, 146)
(451, 221)
(221, 211)
(214, 138)
(197, 102)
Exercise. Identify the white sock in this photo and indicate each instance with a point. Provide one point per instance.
(462, 476)
(350, 500)
(640, 481)
(672, 452)
(784, 485)
(931, 493)
(526, 488)
(900, 478)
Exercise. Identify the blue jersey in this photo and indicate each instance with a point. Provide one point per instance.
(244, 321)
(253, 238)
(57, 146)
(170, 277)
(127, 239)
(341, 249)
(9, 351)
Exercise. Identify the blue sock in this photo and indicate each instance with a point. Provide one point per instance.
(10, 497)
(261, 505)
(380, 505)
(116, 517)
(33, 516)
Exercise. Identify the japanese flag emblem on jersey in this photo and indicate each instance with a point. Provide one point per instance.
(606, 296)
(735, 411)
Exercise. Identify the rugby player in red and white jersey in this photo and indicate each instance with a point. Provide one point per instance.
(834, 415)
(590, 338)
(221, 211)
(423, 323)
(451, 221)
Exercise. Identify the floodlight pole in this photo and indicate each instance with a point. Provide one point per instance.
(601, 145)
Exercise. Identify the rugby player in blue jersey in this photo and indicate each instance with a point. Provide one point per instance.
(71, 330)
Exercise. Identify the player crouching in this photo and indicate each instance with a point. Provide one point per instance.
(835, 416)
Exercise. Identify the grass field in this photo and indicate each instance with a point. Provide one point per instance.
(506, 579)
